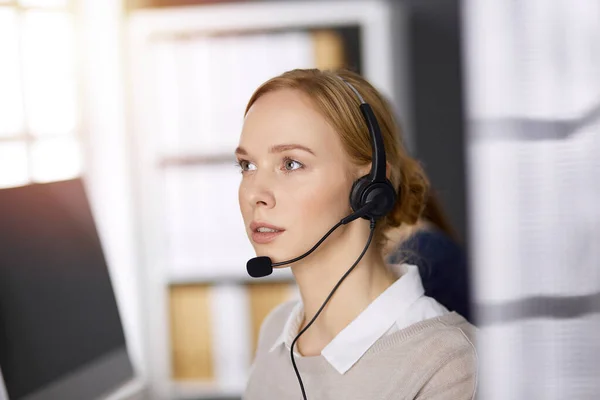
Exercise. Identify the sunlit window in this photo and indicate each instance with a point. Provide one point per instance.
(44, 3)
(39, 139)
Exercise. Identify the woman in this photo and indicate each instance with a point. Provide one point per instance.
(303, 144)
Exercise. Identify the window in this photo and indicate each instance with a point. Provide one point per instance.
(39, 122)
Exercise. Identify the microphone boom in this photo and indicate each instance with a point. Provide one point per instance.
(259, 267)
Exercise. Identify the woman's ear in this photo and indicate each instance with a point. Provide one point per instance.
(367, 168)
(364, 170)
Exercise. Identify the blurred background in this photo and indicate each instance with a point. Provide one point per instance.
(122, 249)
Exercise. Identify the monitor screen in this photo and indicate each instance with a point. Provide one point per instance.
(60, 330)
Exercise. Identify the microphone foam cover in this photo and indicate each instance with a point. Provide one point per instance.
(259, 267)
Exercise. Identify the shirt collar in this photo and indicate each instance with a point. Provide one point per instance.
(370, 325)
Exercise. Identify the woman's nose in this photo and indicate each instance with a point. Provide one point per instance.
(259, 193)
(263, 200)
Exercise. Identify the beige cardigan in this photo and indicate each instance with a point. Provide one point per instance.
(433, 359)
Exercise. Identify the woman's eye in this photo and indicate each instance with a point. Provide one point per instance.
(246, 165)
(291, 165)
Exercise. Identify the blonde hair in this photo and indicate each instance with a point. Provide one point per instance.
(339, 105)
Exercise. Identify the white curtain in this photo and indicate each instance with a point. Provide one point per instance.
(532, 75)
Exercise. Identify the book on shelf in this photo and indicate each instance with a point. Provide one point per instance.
(191, 338)
(205, 232)
(214, 329)
(203, 83)
(328, 46)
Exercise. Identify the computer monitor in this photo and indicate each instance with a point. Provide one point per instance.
(60, 330)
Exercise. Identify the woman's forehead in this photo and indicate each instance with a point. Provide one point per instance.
(287, 116)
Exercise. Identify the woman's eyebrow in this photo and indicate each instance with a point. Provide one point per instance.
(284, 147)
(241, 151)
(278, 149)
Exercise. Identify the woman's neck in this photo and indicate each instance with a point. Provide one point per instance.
(317, 276)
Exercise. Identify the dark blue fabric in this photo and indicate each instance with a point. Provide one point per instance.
(443, 268)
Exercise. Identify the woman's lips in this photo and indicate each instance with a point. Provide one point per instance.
(265, 237)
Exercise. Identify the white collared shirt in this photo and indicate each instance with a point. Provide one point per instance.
(399, 306)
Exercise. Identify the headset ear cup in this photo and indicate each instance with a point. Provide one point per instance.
(383, 195)
(356, 193)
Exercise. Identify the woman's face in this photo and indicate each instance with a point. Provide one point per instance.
(295, 175)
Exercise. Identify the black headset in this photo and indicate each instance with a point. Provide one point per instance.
(374, 188)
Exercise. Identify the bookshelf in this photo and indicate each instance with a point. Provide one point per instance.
(192, 70)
